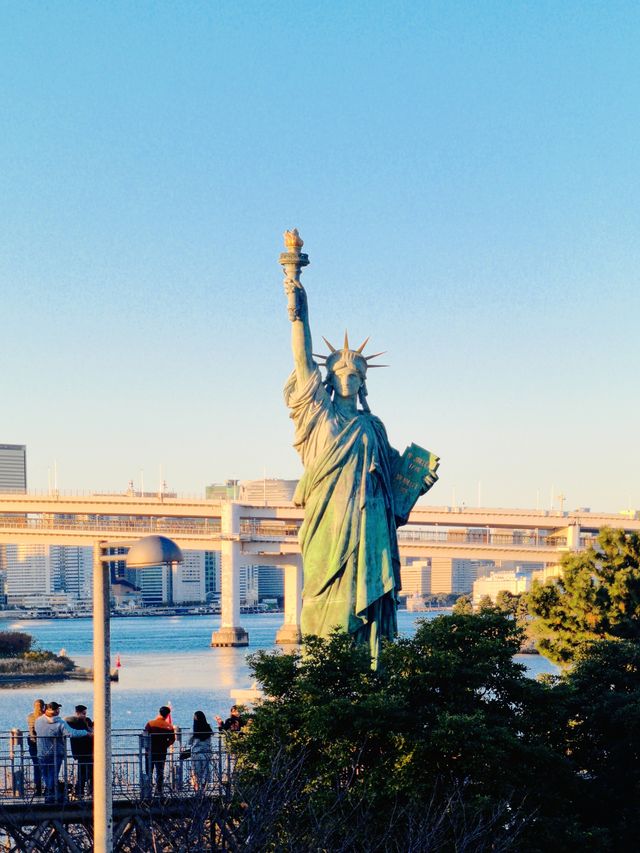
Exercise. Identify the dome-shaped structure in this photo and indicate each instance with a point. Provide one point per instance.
(153, 551)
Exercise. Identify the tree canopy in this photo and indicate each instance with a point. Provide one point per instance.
(14, 643)
(449, 746)
(596, 598)
(447, 740)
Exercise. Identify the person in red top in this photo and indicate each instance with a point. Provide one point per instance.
(161, 736)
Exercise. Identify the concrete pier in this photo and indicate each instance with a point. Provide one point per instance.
(231, 633)
(290, 633)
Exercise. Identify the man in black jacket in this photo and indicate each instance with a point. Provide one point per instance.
(82, 749)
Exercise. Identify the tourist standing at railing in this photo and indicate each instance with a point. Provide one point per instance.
(201, 750)
(82, 749)
(32, 742)
(233, 723)
(51, 732)
(161, 736)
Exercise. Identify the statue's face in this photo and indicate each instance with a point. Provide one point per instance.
(346, 381)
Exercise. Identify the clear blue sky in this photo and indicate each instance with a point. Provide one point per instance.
(466, 177)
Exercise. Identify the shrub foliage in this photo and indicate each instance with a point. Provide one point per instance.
(448, 746)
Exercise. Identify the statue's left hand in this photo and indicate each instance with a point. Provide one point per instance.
(430, 480)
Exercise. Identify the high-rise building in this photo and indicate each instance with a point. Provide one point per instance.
(456, 575)
(270, 583)
(211, 574)
(248, 586)
(261, 492)
(441, 569)
(46, 570)
(13, 468)
(154, 584)
(175, 584)
(73, 570)
(415, 577)
(189, 578)
(29, 573)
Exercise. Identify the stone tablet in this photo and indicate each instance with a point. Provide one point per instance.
(415, 474)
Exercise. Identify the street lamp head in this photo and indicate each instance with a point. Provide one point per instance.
(153, 551)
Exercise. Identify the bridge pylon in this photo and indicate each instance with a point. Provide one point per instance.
(230, 633)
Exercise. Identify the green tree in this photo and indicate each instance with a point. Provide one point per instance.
(463, 605)
(597, 597)
(507, 602)
(14, 643)
(486, 604)
(449, 733)
(601, 694)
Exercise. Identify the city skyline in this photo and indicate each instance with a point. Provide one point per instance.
(465, 181)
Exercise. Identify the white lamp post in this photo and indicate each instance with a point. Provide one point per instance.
(146, 552)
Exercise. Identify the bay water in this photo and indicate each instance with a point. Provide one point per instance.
(166, 660)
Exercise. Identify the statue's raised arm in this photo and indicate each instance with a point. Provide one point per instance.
(293, 260)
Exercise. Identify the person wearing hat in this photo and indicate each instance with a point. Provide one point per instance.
(51, 731)
(82, 749)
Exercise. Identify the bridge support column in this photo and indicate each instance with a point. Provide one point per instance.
(573, 537)
(230, 633)
(290, 633)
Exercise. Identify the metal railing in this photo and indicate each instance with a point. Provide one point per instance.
(254, 528)
(113, 524)
(274, 531)
(483, 537)
(138, 773)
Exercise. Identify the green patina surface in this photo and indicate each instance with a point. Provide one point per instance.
(356, 489)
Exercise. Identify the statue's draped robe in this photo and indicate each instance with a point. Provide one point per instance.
(348, 537)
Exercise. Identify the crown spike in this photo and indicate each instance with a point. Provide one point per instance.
(372, 366)
(331, 347)
(346, 339)
(319, 355)
(362, 346)
(375, 355)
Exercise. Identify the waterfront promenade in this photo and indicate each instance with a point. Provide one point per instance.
(142, 815)
(131, 778)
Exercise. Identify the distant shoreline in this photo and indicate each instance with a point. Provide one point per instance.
(178, 611)
(77, 674)
(22, 616)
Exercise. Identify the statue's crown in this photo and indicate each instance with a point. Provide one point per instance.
(346, 356)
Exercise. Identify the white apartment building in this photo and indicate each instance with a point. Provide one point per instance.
(248, 586)
(189, 578)
(514, 581)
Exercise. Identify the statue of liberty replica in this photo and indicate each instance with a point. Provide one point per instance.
(356, 489)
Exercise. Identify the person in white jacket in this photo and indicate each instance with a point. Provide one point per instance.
(51, 731)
